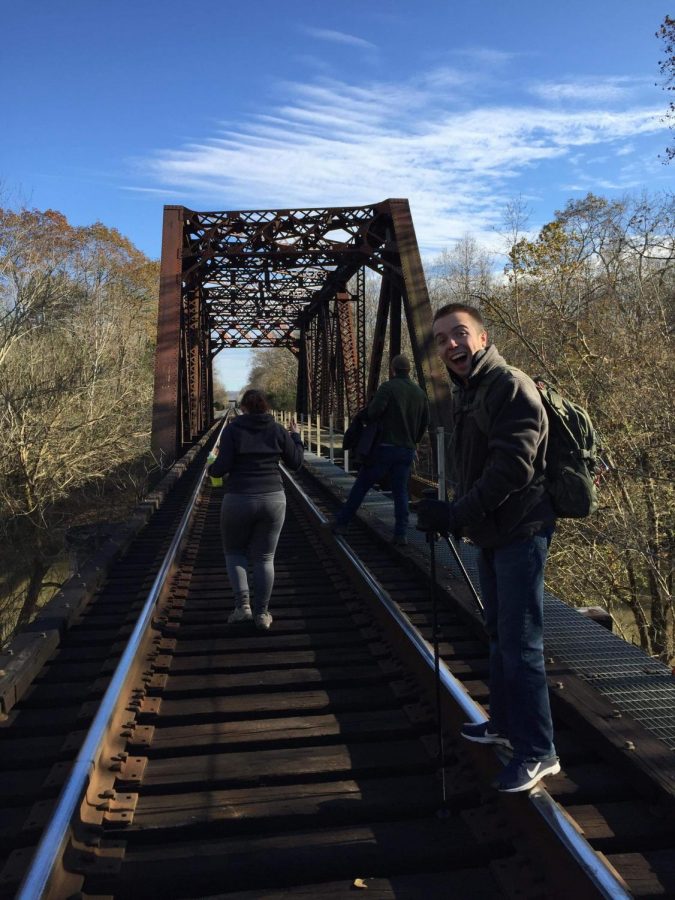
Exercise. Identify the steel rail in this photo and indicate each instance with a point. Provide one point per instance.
(54, 840)
(598, 871)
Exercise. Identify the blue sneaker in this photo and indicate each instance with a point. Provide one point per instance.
(483, 733)
(523, 774)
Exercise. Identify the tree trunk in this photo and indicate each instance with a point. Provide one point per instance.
(656, 577)
(636, 607)
(30, 601)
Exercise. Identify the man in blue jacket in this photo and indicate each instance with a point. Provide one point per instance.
(402, 409)
(497, 459)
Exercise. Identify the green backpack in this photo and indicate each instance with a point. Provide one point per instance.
(571, 454)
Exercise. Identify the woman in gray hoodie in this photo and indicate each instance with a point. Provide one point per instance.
(254, 505)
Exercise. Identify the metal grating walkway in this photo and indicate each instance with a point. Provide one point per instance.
(636, 684)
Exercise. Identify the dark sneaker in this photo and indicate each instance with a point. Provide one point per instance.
(482, 733)
(523, 774)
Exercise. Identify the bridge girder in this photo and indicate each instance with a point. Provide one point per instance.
(290, 278)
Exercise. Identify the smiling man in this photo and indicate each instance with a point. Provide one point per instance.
(496, 458)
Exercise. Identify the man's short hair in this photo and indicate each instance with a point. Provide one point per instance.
(450, 308)
(400, 365)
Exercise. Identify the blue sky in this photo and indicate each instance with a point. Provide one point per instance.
(113, 109)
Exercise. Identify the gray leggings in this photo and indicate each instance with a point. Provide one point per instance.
(250, 525)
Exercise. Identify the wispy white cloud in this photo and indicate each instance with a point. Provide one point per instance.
(148, 190)
(339, 37)
(608, 90)
(457, 158)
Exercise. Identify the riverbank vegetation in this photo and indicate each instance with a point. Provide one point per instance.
(78, 309)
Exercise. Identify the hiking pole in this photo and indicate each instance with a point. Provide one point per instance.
(442, 495)
(458, 560)
(430, 494)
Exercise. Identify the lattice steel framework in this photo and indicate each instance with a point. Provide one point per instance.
(292, 278)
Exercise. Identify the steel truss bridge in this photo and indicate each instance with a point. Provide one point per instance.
(152, 749)
(287, 278)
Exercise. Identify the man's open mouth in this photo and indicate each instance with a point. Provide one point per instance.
(459, 357)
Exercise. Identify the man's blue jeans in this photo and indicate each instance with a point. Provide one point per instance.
(387, 460)
(512, 585)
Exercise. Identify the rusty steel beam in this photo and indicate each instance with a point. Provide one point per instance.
(431, 373)
(324, 351)
(193, 342)
(304, 379)
(285, 278)
(395, 324)
(379, 336)
(349, 353)
(166, 437)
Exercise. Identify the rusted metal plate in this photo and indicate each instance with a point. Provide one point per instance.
(120, 809)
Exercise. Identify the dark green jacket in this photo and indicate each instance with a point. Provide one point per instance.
(402, 409)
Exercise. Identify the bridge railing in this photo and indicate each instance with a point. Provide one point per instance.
(325, 439)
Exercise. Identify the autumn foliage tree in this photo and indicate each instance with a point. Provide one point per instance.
(275, 371)
(589, 303)
(77, 319)
(220, 393)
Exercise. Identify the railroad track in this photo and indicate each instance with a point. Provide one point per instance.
(303, 761)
